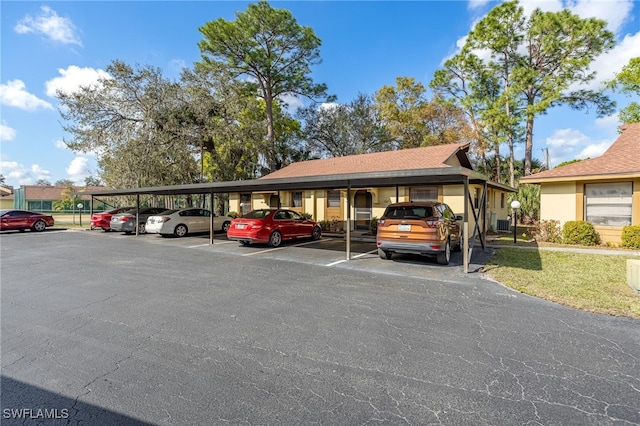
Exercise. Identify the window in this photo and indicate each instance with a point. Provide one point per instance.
(502, 200)
(333, 198)
(424, 193)
(608, 204)
(296, 199)
(245, 203)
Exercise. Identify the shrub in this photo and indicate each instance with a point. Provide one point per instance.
(631, 237)
(232, 214)
(325, 225)
(306, 215)
(579, 232)
(374, 225)
(547, 231)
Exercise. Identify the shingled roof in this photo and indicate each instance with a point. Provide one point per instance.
(620, 160)
(51, 192)
(431, 157)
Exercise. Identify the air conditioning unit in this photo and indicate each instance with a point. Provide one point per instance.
(633, 274)
(504, 225)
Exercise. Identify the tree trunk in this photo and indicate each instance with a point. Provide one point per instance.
(528, 147)
(271, 136)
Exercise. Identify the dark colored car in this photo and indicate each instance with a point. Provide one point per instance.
(23, 219)
(272, 227)
(126, 222)
(103, 219)
(424, 228)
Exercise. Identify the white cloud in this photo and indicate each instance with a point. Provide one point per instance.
(595, 149)
(615, 12)
(14, 94)
(567, 138)
(611, 63)
(609, 123)
(50, 25)
(74, 77)
(78, 170)
(6, 133)
(477, 4)
(292, 102)
(17, 174)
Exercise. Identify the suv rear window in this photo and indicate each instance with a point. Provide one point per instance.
(408, 212)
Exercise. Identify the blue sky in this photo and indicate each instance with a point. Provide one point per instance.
(49, 45)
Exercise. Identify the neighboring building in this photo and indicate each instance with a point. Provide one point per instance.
(6, 197)
(369, 203)
(41, 198)
(604, 190)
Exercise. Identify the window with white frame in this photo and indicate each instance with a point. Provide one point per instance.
(245, 203)
(296, 199)
(608, 204)
(333, 198)
(424, 193)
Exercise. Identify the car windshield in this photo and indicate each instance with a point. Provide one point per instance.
(257, 214)
(409, 212)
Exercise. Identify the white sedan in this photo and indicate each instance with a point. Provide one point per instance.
(185, 221)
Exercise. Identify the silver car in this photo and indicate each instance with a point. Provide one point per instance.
(185, 221)
(126, 222)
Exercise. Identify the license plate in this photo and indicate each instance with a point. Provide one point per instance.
(240, 225)
(404, 227)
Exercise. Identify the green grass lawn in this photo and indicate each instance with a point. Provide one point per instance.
(589, 282)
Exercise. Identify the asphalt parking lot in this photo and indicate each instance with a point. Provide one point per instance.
(103, 328)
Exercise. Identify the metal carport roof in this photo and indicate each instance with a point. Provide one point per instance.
(442, 175)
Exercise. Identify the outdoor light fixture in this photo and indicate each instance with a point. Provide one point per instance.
(515, 205)
(80, 206)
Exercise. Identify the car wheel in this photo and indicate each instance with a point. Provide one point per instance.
(226, 226)
(458, 246)
(275, 239)
(39, 226)
(444, 257)
(316, 233)
(142, 228)
(180, 231)
(386, 255)
(106, 229)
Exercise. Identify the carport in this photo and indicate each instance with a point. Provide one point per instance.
(350, 181)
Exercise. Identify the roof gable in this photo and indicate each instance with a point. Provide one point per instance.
(620, 158)
(451, 155)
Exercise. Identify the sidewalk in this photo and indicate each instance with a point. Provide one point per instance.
(364, 236)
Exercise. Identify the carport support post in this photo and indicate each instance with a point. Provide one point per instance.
(211, 221)
(465, 230)
(137, 224)
(348, 221)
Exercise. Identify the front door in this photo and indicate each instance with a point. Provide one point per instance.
(363, 203)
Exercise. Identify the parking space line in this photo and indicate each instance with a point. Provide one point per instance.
(353, 257)
(280, 248)
(198, 245)
(262, 251)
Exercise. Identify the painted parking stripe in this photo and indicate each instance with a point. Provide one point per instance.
(216, 243)
(353, 257)
(280, 248)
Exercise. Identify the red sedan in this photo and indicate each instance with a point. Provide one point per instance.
(272, 227)
(103, 220)
(23, 219)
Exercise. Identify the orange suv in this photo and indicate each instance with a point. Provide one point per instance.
(425, 228)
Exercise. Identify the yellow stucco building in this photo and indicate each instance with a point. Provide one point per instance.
(604, 191)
